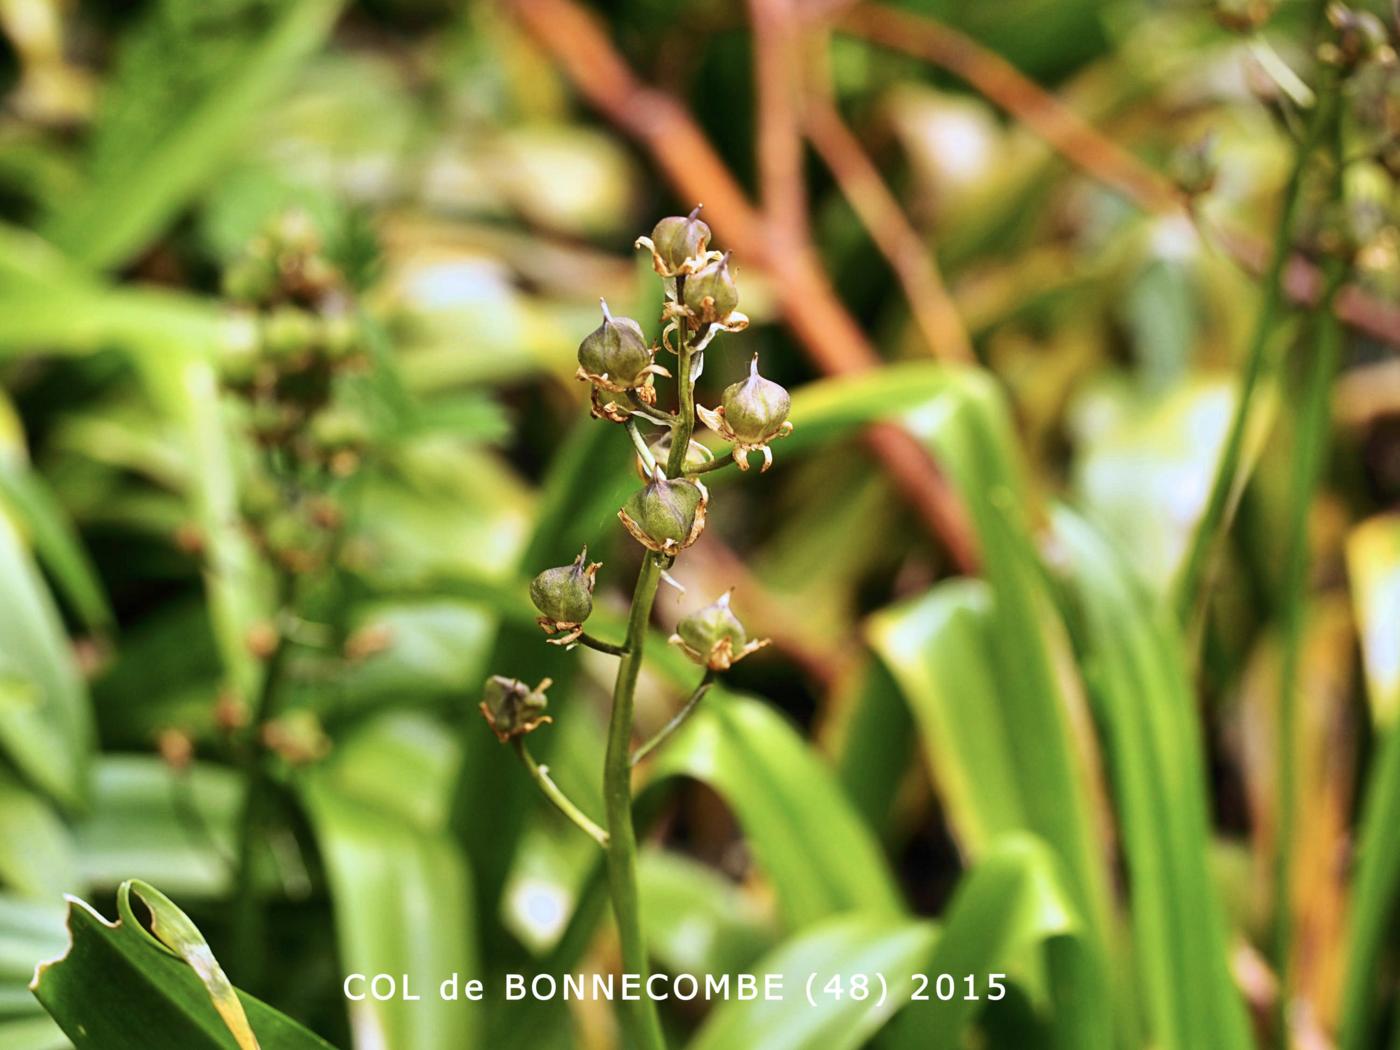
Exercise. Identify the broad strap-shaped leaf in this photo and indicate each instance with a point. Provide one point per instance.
(46, 726)
(117, 987)
(696, 920)
(173, 929)
(850, 950)
(28, 496)
(399, 884)
(971, 434)
(941, 648)
(29, 930)
(1013, 916)
(149, 821)
(803, 832)
(36, 849)
(1138, 679)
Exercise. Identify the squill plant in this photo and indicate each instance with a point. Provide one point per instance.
(665, 515)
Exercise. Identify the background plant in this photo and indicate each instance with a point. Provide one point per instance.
(1043, 578)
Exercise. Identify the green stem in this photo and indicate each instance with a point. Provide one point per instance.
(601, 646)
(540, 775)
(1310, 450)
(617, 765)
(684, 424)
(617, 795)
(247, 907)
(679, 718)
(718, 463)
(648, 460)
(1192, 591)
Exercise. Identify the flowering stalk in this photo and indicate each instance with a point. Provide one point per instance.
(665, 516)
(311, 444)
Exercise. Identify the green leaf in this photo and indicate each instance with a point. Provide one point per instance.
(45, 718)
(1376, 892)
(1013, 903)
(151, 822)
(29, 930)
(1138, 678)
(827, 409)
(841, 949)
(804, 834)
(695, 919)
(1373, 560)
(400, 886)
(56, 542)
(118, 987)
(971, 433)
(876, 741)
(174, 930)
(1373, 567)
(36, 851)
(940, 648)
(135, 192)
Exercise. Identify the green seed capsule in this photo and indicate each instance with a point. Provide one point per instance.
(666, 515)
(707, 628)
(565, 594)
(756, 408)
(710, 292)
(680, 238)
(714, 637)
(616, 351)
(511, 707)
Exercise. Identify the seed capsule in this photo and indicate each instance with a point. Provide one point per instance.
(666, 515)
(756, 408)
(512, 708)
(565, 597)
(616, 351)
(710, 292)
(752, 413)
(713, 636)
(679, 240)
(615, 357)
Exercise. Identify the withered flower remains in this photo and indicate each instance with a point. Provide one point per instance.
(714, 637)
(512, 708)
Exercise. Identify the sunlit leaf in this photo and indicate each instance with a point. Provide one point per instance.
(1373, 565)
